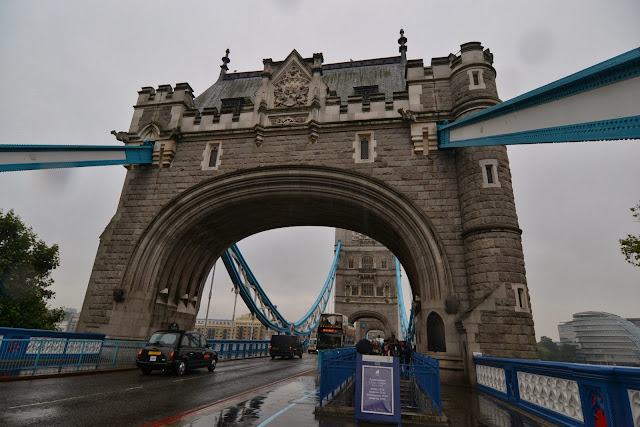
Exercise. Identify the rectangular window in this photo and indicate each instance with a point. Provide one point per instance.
(489, 170)
(379, 291)
(367, 289)
(476, 81)
(364, 149)
(354, 291)
(521, 298)
(213, 158)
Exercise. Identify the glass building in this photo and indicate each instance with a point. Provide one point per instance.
(602, 338)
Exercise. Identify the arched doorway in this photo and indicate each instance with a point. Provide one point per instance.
(436, 340)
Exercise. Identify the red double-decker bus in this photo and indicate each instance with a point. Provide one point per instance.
(334, 331)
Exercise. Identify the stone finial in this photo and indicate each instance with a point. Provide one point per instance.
(225, 61)
(402, 41)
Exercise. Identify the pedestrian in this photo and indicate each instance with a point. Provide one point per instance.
(376, 350)
(363, 346)
(405, 355)
(395, 348)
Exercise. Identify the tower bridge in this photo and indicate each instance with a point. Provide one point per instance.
(411, 156)
(348, 145)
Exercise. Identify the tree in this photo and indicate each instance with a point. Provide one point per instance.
(547, 349)
(550, 351)
(630, 247)
(25, 276)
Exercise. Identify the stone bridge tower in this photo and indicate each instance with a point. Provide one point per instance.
(350, 145)
(365, 285)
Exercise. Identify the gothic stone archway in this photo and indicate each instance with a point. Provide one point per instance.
(243, 158)
(380, 321)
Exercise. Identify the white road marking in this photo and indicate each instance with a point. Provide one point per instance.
(55, 401)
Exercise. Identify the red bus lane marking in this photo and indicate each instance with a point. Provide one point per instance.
(184, 414)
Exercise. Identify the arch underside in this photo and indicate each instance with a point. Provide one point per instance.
(181, 244)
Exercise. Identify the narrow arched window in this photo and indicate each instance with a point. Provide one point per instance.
(351, 263)
(435, 333)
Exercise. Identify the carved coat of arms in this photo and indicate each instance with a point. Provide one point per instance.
(292, 90)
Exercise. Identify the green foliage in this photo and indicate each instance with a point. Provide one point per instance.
(550, 351)
(630, 247)
(25, 276)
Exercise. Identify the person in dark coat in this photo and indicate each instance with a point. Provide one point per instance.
(363, 346)
(405, 354)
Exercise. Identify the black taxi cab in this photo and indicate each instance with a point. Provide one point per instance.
(176, 350)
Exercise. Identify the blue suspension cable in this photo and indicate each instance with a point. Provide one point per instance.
(257, 301)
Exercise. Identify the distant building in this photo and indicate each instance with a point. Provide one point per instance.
(70, 321)
(602, 338)
(635, 321)
(245, 327)
(73, 322)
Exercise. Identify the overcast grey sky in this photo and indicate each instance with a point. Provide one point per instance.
(70, 72)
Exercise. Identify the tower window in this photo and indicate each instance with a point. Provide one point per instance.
(476, 79)
(521, 298)
(212, 156)
(367, 262)
(383, 263)
(355, 291)
(364, 149)
(351, 263)
(367, 289)
(379, 291)
(489, 170)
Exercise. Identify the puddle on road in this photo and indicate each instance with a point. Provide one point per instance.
(253, 411)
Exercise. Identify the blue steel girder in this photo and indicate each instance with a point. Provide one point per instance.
(257, 301)
(601, 102)
(35, 157)
(406, 325)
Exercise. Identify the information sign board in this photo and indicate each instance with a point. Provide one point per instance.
(377, 388)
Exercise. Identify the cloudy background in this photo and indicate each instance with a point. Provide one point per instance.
(70, 72)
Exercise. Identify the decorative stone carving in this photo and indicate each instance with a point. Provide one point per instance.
(259, 135)
(555, 394)
(122, 136)
(292, 89)
(491, 377)
(634, 402)
(288, 120)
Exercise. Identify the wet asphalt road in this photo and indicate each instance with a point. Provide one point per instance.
(132, 399)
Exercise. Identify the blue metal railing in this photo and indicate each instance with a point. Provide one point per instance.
(39, 356)
(63, 353)
(239, 349)
(420, 380)
(568, 394)
(424, 372)
(337, 370)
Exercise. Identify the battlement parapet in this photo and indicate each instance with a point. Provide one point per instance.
(181, 93)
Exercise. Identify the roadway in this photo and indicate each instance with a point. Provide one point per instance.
(129, 398)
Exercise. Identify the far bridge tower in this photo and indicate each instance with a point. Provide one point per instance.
(365, 286)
